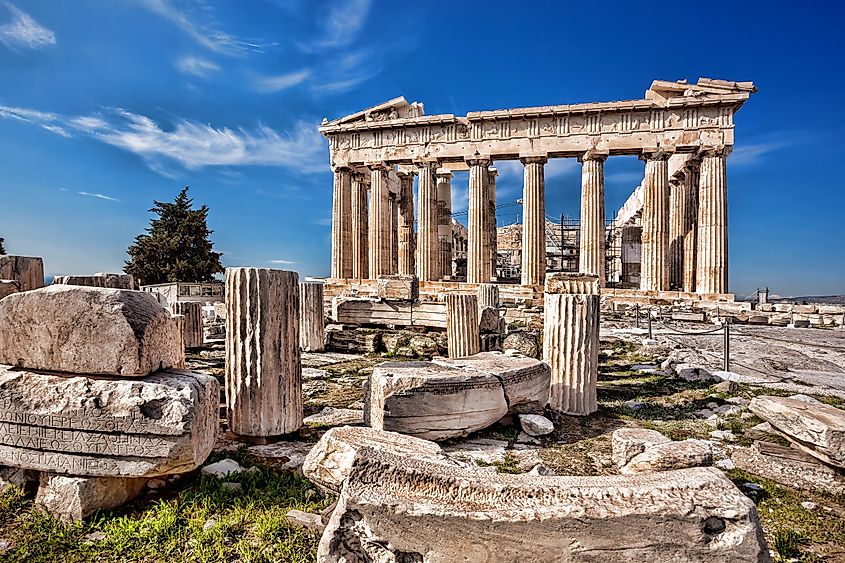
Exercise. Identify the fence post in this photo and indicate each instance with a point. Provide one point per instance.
(650, 336)
(637, 314)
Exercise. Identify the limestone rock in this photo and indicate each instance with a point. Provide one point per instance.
(222, 468)
(432, 401)
(364, 341)
(329, 462)
(87, 330)
(523, 342)
(331, 416)
(398, 287)
(143, 427)
(690, 372)
(816, 428)
(536, 425)
(21, 478)
(489, 321)
(396, 508)
(8, 287)
(788, 466)
(74, 498)
(113, 281)
(307, 520)
(628, 443)
(670, 455)
(285, 456)
(28, 271)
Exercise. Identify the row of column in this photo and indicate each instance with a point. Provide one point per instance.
(684, 223)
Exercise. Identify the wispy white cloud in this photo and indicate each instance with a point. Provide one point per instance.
(191, 21)
(189, 144)
(277, 83)
(286, 262)
(634, 177)
(749, 154)
(99, 196)
(24, 32)
(196, 66)
(342, 25)
(348, 71)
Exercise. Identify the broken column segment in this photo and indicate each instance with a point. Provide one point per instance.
(500, 517)
(192, 311)
(462, 325)
(88, 330)
(263, 368)
(571, 341)
(312, 317)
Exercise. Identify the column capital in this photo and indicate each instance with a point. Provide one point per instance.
(478, 160)
(492, 173)
(658, 154)
(536, 159)
(443, 174)
(715, 150)
(382, 166)
(341, 168)
(594, 154)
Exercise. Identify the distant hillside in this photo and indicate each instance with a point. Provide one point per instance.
(829, 299)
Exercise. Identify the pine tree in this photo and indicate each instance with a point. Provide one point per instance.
(2, 246)
(176, 246)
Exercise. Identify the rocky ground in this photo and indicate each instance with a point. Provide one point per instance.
(247, 516)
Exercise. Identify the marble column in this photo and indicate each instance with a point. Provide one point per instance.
(488, 295)
(654, 268)
(571, 341)
(462, 325)
(360, 211)
(312, 317)
(428, 244)
(192, 311)
(444, 203)
(533, 221)
(341, 266)
(691, 224)
(181, 329)
(379, 223)
(478, 252)
(712, 271)
(394, 232)
(592, 240)
(406, 225)
(677, 216)
(492, 225)
(263, 365)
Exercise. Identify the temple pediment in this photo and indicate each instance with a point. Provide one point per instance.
(395, 108)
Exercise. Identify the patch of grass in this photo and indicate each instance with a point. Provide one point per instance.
(792, 530)
(507, 464)
(197, 520)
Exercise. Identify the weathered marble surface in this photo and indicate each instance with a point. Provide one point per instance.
(28, 271)
(399, 287)
(462, 325)
(160, 424)
(627, 443)
(87, 330)
(73, 498)
(670, 455)
(815, 427)
(396, 508)
(312, 317)
(8, 287)
(329, 462)
(193, 321)
(113, 281)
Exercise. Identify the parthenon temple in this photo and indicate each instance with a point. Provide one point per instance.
(683, 132)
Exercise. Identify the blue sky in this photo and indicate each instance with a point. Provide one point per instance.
(105, 106)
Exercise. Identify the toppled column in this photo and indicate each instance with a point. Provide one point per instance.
(312, 317)
(263, 369)
(654, 268)
(591, 253)
(533, 222)
(28, 271)
(571, 341)
(360, 211)
(193, 321)
(428, 246)
(712, 271)
(407, 247)
(478, 251)
(342, 223)
(462, 325)
(488, 295)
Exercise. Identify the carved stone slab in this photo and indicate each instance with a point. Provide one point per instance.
(396, 508)
(28, 271)
(160, 424)
(815, 427)
(87, 330)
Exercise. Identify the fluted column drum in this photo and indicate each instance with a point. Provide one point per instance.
(462, 325)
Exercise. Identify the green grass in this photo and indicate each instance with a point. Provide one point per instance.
(197, 520)
(507, 464)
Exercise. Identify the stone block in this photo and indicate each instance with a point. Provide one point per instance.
(87, 330)
(329, 462)
(398, 288)
(396, 508)
(524, 342)
(489, 321)
(788, 466)
(71, 499)
(536, 425)
(8, 287)
(627, 443)
(193, 322)
(28, 271)
(670, 455)
(113, 281)
(157, 425)
(815, 427)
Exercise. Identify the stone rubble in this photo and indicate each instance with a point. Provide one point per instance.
(74, 498)
(670, 455)
(536, 425)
